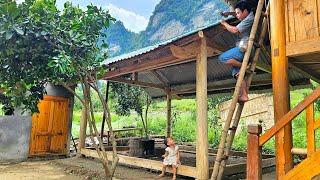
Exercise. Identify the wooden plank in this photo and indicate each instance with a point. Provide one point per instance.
(311, 145)
(305, 19)
(299, 151)
(180, 52)
(291, 22)
(202, 162)
(146, 65)
(290, 116)
(307, 169)
(144, 163)
(212, 152)
(301, 48)
(138, 83)
(318, 11)
(254, 168)
(110, 148)
(232, 169)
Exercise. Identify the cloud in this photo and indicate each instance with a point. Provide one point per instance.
(131, 20)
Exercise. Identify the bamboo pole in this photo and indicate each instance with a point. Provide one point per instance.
(280, 84)
(241, 105)
(230, 139)
(237, 91)
(169, 117)
(202, 162)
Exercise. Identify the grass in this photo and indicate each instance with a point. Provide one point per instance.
(184, 123)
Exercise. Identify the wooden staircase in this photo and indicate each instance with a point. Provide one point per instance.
(309, 167)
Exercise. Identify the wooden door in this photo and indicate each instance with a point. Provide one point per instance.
(49, 132)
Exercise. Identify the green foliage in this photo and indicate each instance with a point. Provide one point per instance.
(127, 98)
(39, 44)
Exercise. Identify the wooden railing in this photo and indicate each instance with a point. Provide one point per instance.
(255, 141)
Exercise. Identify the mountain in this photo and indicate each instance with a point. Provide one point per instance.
(121, 40)
(170, 18)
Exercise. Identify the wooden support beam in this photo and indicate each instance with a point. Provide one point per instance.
(160, 77)
(104, 116)
(254, 156)
(311, 139)
(217, 47)
(221, 85)
(169, 117)
(135, 76)
(180, 52)
(138, 83)
(146, 65)
(202, 162)
(301, 48)
(183, 170)
(83, 129)
(280, 82)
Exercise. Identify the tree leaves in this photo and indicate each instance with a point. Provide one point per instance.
(9, 35)
(39, 45)
(18, 30)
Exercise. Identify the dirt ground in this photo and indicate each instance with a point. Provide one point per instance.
(70, 168)
(76, 169)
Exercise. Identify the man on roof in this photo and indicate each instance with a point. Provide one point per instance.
(234, 57)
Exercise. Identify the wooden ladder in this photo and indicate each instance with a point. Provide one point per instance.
(228, 132)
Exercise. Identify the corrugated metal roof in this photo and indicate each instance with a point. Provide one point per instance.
(181, 77)
(153, 47)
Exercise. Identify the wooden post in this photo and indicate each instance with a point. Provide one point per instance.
(104, 117)
(311, 145)
(280, 84)
(254, 169)
(202, 163)
(83, 129)
(169, 118)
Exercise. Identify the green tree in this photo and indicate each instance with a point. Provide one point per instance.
(39, 45)
(129, 98)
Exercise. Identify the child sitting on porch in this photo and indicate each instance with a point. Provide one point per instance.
(171, 158)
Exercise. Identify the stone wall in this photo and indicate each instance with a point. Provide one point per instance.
(258, 110)
(14, 138)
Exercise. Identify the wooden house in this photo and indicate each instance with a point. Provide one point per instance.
(188, 65)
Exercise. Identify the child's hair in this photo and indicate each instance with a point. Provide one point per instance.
(165, 141)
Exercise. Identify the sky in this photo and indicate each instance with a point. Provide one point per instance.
(134, 14)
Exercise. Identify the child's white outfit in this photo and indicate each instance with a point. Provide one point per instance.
(171, 159)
